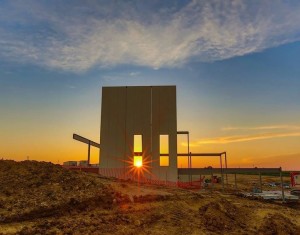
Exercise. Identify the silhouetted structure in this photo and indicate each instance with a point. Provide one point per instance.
(145, 114)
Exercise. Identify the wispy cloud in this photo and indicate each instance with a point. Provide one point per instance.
(115, 76)
(242, 138)
(253, 133)
(134, 74)
(71, 87)
(90, 34)
(272, 127)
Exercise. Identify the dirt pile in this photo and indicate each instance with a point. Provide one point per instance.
(43, 198)
(221, 215)
(32, 189)
(278, 224)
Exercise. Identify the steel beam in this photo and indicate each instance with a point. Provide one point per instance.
(207, 171)
(88, 142)
(182, 132)
(197, 154)
(85, 140)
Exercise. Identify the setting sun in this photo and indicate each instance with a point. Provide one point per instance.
(138, 161)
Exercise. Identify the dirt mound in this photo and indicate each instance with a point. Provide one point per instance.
(278, 224)
(43, 198)
(33, 189)
(222, 215)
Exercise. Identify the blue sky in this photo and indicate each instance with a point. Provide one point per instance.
(235, 65)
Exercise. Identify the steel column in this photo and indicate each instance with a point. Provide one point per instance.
(260, 182)
(222, 176)
(89, 153)
(282, 190)
(226, 168)
(235, 183)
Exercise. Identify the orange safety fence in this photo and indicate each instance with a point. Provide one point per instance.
(121, 173)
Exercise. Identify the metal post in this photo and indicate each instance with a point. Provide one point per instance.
(189, 160)
(191, 176)
(222, 178)
(89, 153)
(260, 182)
(200, 181)
(235, 183)
(212, 179)
(282, 190)
(188, 139)
(87, 141)
(226, 169)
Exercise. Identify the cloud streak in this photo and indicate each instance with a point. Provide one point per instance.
(243, 138)
(102, 34)
(273, 127)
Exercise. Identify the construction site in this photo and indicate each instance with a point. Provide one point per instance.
(43, 198)
(138, 138)
(138, 188)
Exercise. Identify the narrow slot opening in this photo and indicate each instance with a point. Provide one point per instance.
(164, 150)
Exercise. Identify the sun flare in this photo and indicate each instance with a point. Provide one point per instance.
(138, 161)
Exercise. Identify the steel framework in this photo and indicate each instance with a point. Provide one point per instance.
(88, 142)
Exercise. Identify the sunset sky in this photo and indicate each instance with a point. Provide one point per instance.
(236, 65)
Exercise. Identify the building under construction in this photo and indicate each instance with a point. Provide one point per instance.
(139, 138)
(139, 129)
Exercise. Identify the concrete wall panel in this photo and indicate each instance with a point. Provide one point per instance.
(138, 118)
(148, 111)
(113, 127)
(165, 123)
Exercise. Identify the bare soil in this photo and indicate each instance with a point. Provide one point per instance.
(43, 198)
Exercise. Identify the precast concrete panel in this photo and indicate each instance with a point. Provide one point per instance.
(147, 111)
(164, 122)
(138, 119)
(113, 127)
